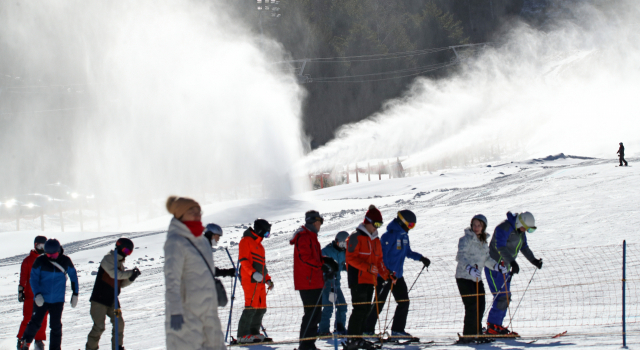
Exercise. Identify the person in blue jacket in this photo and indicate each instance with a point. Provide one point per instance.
(509, 239)
(395, 248)
(48, 282)
(332, 291)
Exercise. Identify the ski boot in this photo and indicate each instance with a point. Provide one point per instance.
(495, 329)
(403, 337)
(23, 345)
(248, 339)
(358, 343)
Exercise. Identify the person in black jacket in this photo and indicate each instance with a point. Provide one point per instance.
(213, 233)
(621, 155)
(102, 297)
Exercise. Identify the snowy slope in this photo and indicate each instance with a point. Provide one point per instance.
(584, 209)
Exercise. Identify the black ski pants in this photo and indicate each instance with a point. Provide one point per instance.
(250, 321)
(622, 160)
(361, 295)
(401, 296)
(473, 305)
(312, 301)
(55, 323)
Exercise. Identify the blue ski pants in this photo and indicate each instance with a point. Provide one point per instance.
(495, 280)
(327, 309)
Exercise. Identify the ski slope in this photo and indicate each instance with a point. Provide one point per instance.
(584, 208)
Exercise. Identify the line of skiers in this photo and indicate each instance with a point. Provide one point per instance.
(374, 267)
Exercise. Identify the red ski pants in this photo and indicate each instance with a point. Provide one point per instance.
(255, 295)
(27, 311)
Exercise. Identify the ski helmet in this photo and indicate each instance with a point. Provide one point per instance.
(312, 216)
(38, 244)
(341, 239)
(527, 221)
(407, 219)
(211, 230)
(482, 218)
(124, 246)
(52, 246)
(262, 228)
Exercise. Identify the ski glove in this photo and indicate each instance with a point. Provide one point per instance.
(515, 268)
(176, 322)
(39, 300)
(373, 269)
(74, 300)
(257, 276)
(425, 261)
(393, 278)
(475, 273)
(332, 297)
(230, 272)
(500, 268)
(538, 263)
(270, 284)
(134, 274)
(21, 294)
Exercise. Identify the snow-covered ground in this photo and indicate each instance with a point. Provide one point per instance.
(584, 209)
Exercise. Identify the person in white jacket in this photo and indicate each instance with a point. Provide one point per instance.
(472, 257)
(191, 302)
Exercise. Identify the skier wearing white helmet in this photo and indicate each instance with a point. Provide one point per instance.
(213, 232)
(509, 238)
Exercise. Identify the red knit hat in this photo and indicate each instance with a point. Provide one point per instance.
(373, 215)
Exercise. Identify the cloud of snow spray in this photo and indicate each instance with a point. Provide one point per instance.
(180, 98)
(571, 88)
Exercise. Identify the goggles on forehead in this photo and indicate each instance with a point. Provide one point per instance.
(376, 224)
(409, 225)
(53, 256)
(527, 228)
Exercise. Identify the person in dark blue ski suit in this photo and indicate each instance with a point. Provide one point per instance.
(337, 251)
(509, 238)
(395, 248)
(48, 282)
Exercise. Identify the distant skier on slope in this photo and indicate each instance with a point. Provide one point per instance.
(473, 256)
(25, 295)
(254, 275)
(509, 238)
(364, 264)
(49, 282)
(191, 300)
(395, 248)
(102, 300)
(621, 155)
(213, 233)
(308, 268)
(332, 291)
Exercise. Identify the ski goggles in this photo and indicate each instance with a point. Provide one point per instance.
(53, 256)
(126, 251)
(527, 228)
(376, 224)
(267, 234)
(409, 225)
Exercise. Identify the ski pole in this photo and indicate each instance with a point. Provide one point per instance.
(116, 311)
(375, 286)
(477, 306)
(508, 296)
(414, 283)
(335, 310)
(233, 294)
(525, 292)
(388, 307)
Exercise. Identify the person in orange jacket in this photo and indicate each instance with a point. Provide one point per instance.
(253, 277)
(25, 295)
(364, 264)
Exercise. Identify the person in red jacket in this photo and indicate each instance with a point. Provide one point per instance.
(364, 264)
(253, 277)
(25, 294)
(308, 279)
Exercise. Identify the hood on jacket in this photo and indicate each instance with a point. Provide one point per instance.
(251, 234)
(395, 227)
(511, 218)
(372, 236)
(295, 236)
